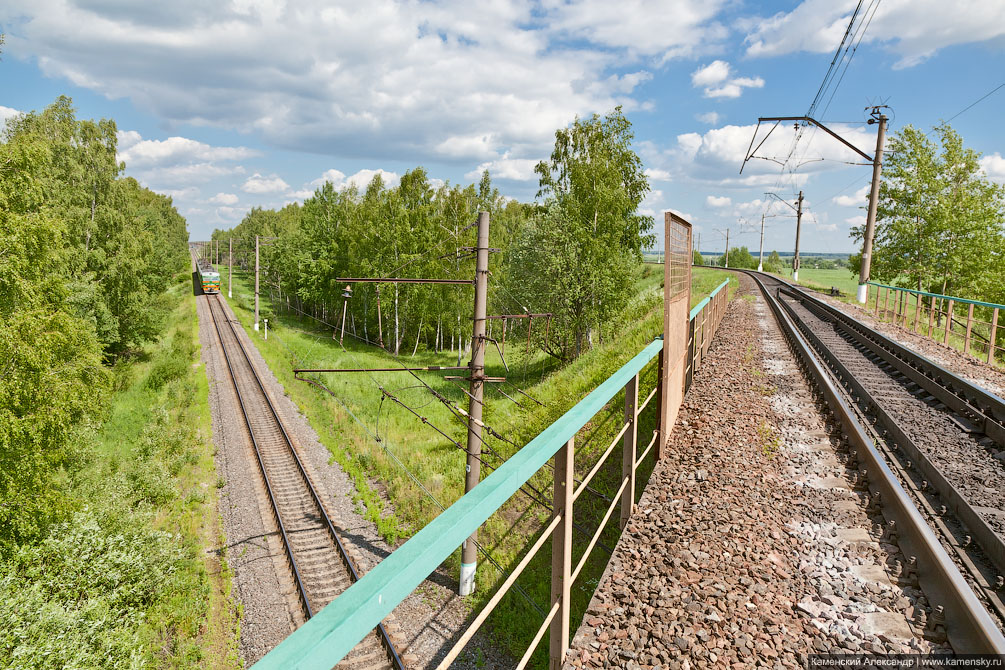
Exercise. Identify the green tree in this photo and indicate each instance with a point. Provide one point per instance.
(774, 263)
(697, 258)
(739, 257)
(939, 218)
(577, 259)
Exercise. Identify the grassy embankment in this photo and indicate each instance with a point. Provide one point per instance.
(438, 464)
(130, 581)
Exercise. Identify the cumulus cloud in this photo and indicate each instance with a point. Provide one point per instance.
(711, 118)
(994, 167)
(855, 220)
(913, 29)
(718, 202)
(712, 74)
(140, 153)
(7, 113)
(258, 184)
(715, 79)
(224, 199)
(384, 79)
(715, 156)
(856, 199)
(655, 174)
(360, 180)
(517, 169)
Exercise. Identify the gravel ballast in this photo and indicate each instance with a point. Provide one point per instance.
(430, 620)
(750, 545)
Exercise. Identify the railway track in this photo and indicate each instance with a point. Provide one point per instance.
(924, 443)
(319, 564)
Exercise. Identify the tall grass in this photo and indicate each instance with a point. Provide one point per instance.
(361, 425)
(128, 582)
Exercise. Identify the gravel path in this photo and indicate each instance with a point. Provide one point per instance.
(429, 620)
(970, 368)
(750, 547)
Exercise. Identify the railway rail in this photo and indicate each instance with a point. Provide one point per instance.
(320, 565)
(925, 444)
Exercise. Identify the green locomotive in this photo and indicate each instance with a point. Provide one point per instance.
(209, 278)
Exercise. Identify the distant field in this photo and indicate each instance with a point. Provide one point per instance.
(824, 279)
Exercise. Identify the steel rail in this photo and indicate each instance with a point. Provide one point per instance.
(969, 626)
(983, 534)
(354, 576)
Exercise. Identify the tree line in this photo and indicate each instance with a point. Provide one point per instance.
(84, 256)
(572, 253)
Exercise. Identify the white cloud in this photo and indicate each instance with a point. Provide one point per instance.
(655, 174)
(714, 73)
(140, 153)
(994, 167)
(734, 87)
(224, 199)
(517, 169)
(360, 180)
(715, 156)
(855, 220)
(711, 118)
(7, 113)
(914, 29)
(718, 202)
(383, 79)
(857, 199)
(258, 184)
(714, 78)
(181, 193)
(653, 205)
(184, 175)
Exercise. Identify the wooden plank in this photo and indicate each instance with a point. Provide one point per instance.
(886, 305)
(917, 312)
(970, 326)
(949, 321)
(994, 333)
(931, 317)
(629, 444)
(561, 554)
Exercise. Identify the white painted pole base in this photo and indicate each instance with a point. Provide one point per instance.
(467, 586)
(760, 268)
(795, 276)
(863, 293)
(256, 326)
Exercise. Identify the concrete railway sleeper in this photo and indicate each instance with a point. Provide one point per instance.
(320, 565)
(955, 607)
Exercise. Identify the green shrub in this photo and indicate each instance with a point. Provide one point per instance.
(77, 599)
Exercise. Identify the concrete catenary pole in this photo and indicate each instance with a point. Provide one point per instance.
(230, 271)
(469, 551)
(870, 222)
(799, 223)
(727, 247)
(256, 282)
(760, 255)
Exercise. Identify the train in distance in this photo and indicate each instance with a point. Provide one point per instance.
(209, 278)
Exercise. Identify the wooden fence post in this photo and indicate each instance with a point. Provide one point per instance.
(886, 305)
(917, 312)
(931, 317)
(970, 325)
(561, 554)
(994, 333)
(949, 321)
(628, 447)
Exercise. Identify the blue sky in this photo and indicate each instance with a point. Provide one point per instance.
(229, 105)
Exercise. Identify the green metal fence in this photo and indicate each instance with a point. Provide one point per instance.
(937, 316)
(329, 636)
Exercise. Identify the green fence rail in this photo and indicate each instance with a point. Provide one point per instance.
(327, 637)
(332, 633)
(935, 315)
(939, 296)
